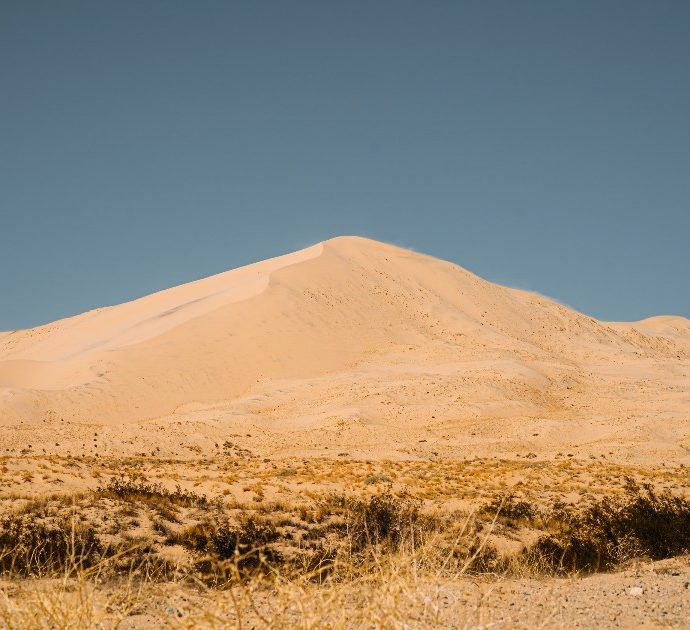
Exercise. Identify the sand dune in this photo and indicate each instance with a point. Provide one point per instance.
(349, 345)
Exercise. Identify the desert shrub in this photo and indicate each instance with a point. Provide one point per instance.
(481, 557)
(136, 489)
(247, 541)
(509, 507)
(138, 556)
(317, 563)
(658, 524)
(377, 478)
(246, 545)
(570, 553)
(194, 537)
(344, 533)
(341, 536)
(641, 523)
(386, 518)
(30, 547)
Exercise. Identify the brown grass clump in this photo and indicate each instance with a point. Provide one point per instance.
(31, 548)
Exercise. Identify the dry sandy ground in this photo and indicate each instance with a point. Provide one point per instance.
(348, 346)
(648, 595)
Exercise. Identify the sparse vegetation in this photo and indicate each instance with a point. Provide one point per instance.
(134, 528)
(136, 489)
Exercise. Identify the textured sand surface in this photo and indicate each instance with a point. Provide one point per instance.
(349, 346)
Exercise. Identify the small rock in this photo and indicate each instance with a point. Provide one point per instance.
(635, 591)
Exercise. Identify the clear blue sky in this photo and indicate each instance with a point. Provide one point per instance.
(544, 145)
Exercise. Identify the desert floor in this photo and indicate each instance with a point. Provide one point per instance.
(401, 588)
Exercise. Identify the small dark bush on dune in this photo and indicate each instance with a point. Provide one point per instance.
(246, 541)
(658, 523)
(136, 489)
(508, 507)
(195, 537)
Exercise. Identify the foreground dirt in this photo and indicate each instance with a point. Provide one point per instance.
(648, 595)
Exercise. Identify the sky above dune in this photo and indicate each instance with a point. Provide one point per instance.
(544, 145)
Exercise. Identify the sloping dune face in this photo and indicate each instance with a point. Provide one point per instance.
(349, 345)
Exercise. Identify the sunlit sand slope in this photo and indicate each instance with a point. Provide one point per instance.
(349, 345)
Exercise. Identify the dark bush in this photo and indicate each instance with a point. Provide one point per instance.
(659, 524)
(28, 547)
(136, 489)
(386, 518)
(641, 523)
(195, 537)
(246, 544)
(482, 557)
(508, 506)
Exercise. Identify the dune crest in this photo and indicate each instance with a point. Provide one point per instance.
(357, 343)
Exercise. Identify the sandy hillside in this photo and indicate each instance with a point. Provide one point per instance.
(348, 346)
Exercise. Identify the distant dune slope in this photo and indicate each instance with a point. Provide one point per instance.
(360, 335)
